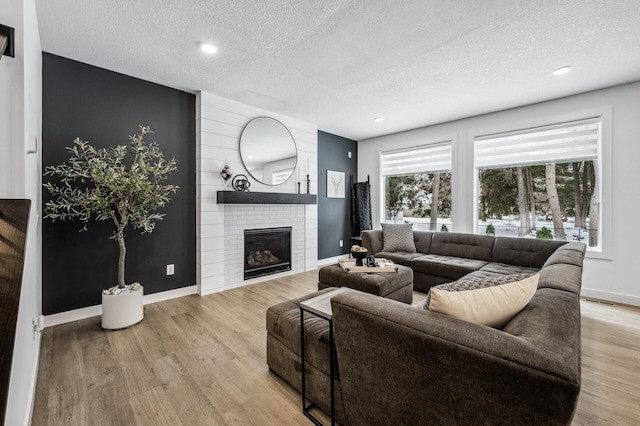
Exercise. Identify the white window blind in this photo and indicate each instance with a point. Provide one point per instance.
(427, 158)
(280, 176)
(574, 141)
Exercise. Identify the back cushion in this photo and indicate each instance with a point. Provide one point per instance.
(398, 237)
(528, 252)
(470, 246)
(570, 253)
(423, 241)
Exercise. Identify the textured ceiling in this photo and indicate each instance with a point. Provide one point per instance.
(340, 63)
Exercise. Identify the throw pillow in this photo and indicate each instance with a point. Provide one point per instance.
(488, 301)
(398, 237)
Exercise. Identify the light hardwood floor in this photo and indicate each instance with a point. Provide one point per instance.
(201, 361)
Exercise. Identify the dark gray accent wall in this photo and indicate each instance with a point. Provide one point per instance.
(334, 214)
(105, 107)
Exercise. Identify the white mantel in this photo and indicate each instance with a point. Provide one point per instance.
(220, 227)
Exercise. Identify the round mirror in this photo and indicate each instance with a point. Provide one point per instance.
(268, 151)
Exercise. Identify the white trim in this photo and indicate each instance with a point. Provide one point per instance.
(33, 382)
(331, 260)
(96, 310)
(169, 294)
(211, 291)
(609, 296)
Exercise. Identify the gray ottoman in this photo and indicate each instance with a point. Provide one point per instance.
(391, 285)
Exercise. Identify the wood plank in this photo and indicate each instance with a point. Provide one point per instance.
(240, 197)
(202, 360)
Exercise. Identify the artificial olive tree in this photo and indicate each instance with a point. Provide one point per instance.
(107, 184)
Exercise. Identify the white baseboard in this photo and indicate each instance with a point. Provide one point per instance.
(610, 296)
(331, 260)
(96, 310)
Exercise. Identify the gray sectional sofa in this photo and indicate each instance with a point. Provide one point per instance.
(399, 364)
(443, 257)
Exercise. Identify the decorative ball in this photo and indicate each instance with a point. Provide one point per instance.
(241, 183)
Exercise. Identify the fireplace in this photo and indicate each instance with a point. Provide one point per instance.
(266, 251)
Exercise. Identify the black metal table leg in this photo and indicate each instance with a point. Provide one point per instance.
(306, 408)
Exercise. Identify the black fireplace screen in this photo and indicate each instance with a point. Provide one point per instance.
(266, 251)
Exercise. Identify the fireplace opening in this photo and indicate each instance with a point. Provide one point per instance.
(266, 251)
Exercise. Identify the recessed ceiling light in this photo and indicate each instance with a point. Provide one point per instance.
(562, 70)
(378, 119)
(209, 48)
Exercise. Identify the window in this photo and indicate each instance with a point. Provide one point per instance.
(541, 183)
(281, 176)
(417, 186)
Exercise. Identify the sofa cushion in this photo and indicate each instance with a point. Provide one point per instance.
(399, 257)
(529, 252)
(561, 277)
(506, 269)
(283, 324)
(398, 237)
(423, 241)
(469, 246)
(570, 254)
(450, 267)
(490, 301)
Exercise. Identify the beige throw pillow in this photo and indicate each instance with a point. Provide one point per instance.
(487, 301)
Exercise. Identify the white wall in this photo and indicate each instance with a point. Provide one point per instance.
(609, 275)
(20, 177)
(219, 124)
(11, 106)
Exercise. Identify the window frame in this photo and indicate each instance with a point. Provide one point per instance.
(416, 144)
(605, 114)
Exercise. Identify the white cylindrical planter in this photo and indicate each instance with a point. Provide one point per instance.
(122, 310)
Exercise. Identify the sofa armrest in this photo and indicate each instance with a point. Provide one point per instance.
(372, 240)
(403, 365)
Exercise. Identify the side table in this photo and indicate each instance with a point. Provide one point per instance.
(319, 306)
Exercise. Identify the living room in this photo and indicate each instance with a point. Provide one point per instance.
(52, 98)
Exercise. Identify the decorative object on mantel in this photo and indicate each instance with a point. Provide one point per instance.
(298, 187)
(102, 184)
(308, 183)
(335, 184)
(226, 172)
(241, 183)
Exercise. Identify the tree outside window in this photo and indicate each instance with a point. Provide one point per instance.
(420, 198)
(557, 200)
(541, 183)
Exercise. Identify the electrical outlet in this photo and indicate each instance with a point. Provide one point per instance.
(341, 243)
(170, 269)
(349, 154)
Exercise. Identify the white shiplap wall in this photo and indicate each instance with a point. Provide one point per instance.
(219, 124)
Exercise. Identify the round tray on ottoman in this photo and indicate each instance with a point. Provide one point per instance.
(392, 285)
